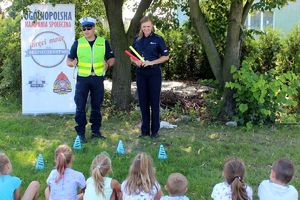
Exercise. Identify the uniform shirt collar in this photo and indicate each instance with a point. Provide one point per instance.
(149, 35)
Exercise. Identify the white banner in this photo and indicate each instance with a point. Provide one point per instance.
(47, 34)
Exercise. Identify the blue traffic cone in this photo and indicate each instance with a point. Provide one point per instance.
(77, 143)
(39, 164)
(120, 147)
(162, 154)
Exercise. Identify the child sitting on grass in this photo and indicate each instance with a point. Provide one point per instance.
(277, 188)
(99, 186)
(64, 182)
(233, 188)
(141, 182)
(177, 187)
(10, 185)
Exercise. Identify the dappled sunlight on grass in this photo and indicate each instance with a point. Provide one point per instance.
(128, 125)
(69, 124)
(25, 157)
(200, 150)
(114, 137)
(187, 149)
(214, 136)
(40, 143)
(193, 138)
(103, 144)
(135, 131)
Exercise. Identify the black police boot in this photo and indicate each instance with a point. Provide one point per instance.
(154, 135)
(144, 134)
(82, 138)
(98, 135)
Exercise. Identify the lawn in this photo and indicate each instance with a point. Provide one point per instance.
(195, 149)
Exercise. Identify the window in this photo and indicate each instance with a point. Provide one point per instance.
(260, 20)
(268, 19)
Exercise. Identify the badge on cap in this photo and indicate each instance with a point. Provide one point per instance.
(87, 21)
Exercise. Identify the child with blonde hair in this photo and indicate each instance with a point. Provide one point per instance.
(233, 188)
(10, 185)
(177, 187)
(141, 182)
(278, 188)
(99, 186)
(63, 181)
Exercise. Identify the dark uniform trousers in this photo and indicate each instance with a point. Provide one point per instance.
(94, 85)
(149, 86)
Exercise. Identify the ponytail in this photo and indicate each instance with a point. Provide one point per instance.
(98, 180)
(63, 157)
(234, 171)
(238, 189)
(61, 165)
(100, 167)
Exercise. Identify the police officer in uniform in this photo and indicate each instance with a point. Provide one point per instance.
(92, 55)
(148, 75)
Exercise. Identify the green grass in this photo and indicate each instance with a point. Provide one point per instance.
(196, 149)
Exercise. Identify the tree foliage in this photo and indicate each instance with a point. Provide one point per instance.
(187, 57)
(237, 13)
(10, 57)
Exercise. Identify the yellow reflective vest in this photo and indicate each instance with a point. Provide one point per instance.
(91, 57)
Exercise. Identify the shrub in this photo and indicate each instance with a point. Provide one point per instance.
(187, 57)
(10, 57)
(289, 57)
(262, 97)
(263, 51)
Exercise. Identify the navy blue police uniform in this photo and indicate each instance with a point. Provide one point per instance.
(149, 81)
(92, 84)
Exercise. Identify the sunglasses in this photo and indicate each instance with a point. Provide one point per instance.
(86, 28)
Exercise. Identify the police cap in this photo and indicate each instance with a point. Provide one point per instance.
(87, 21)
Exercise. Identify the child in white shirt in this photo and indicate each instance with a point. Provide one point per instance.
(63, 181)
(99, 186)
(141, 182)
(233, 188)
(277, 188)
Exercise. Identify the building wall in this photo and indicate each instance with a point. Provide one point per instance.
(283, 19)
(287, 17)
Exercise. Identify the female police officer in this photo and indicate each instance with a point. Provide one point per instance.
(148, 75)
(93, 55)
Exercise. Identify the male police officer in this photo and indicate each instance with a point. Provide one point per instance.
(92, 55)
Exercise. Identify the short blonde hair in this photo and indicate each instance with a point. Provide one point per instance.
(177, 184)
(4, 161)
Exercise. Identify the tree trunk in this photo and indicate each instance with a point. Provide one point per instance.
(232, 50)
(213, 56)
(232, 53)
(121, 81)
(120, 40)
